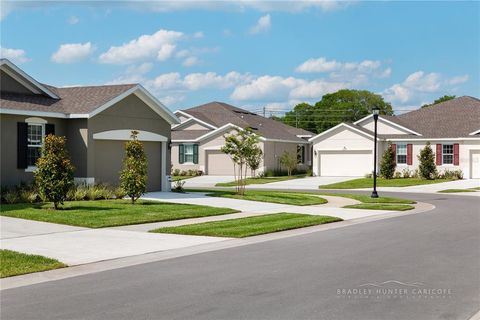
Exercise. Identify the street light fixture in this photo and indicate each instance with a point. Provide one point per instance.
(375, 112)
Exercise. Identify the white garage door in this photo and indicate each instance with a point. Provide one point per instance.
(219, 164)
(475, 161)
(345, 163)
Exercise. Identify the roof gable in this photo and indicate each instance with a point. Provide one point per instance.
(25, 80)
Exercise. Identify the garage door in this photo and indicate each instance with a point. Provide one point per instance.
(475, 161)
(218, 164)
(109, 156)
(345, 163)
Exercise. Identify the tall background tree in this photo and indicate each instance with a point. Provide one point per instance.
(441, 99)
(54, 173)
(342, 106)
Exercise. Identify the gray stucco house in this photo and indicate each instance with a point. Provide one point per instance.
(96, 120)
(197, 140)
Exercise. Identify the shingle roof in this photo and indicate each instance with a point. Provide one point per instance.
(219, 114)
(454, 118)
(72, 100)
(188, 134)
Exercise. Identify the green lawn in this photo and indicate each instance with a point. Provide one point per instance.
(368, 183)
(459, 190)
(367, 199)
(14, 263)
(260, 180)
(381, 206)
(293, 198)
(108, 213)
(176, 178)
(251, 226)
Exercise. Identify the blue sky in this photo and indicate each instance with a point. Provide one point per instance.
(252, 54)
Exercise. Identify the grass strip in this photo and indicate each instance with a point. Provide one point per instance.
(14, 263)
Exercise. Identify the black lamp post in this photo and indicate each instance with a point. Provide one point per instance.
(375, 111)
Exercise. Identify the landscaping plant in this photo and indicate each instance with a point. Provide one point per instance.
(133, 177)
(54, 173)
(239, 146)
(427, 169)
(289, 161)
(388, 164)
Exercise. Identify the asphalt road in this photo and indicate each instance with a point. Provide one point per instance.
(429, 261)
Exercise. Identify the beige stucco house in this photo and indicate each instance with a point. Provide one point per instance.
(96, 120)
(451, 127)
(197, 140)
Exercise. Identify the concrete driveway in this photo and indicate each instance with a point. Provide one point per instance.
(301, 184)
(206, 181)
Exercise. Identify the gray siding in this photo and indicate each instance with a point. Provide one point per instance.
(8, 84)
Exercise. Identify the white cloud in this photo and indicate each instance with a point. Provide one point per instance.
(72, 52)
(195, 81)
(171, 99)
(73, 20)
(161, 45)
(190, 61)
(15, 55)
(198, 35)
(263, 24)
(418, 84)
(321, 64)
(277, 89)
(166, 51)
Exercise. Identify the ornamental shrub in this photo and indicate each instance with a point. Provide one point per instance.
(427, 168)
(54, 173)
(133, 177)
(388, 164)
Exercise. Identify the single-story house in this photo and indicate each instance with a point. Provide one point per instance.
(96, 120)
(197, 140)
(452, 128)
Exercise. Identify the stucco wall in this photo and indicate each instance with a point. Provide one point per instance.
(194, 126)
(382, 127)
(8, 84)
(10, 175)
(465, 149)
(133, 114)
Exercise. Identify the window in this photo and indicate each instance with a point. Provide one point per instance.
(188, 153)
(401, 153)
(447, 153)
(300, 154)
(35, 133)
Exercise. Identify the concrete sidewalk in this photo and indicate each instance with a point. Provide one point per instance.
(91, 245)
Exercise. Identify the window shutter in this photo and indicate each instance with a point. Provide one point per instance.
(22, 141)
(438, 155)
(409, 154)
(394, 148)
(195, 153)
(181, 153)
(456, 154)
(303, 154)
(49, 129)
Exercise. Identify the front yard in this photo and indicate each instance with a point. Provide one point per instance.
(292, 198)
(14, 263)
(109, 213)
(251, 226)
(381, 206)
(264, 180)
(368, 183)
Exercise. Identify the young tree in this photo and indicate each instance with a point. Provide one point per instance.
(289, 161)
(254, 158)
(427, 168)
(133, 177)
(388, 164)
(240, 145)
(54, 173)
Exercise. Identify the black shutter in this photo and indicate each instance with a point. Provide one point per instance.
(49, 129)
(195, 153)
(303, 154)
(22, 142)
(181, 153)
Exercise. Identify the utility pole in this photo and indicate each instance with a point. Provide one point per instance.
(264, 111)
